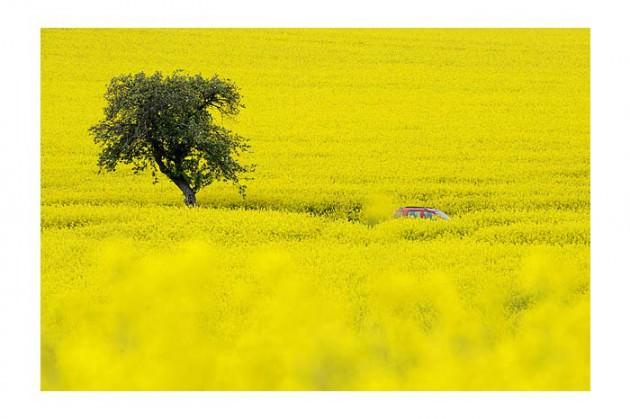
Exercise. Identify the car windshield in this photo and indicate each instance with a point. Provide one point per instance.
(441, 214)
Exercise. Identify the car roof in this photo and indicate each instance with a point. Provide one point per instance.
(426, 208)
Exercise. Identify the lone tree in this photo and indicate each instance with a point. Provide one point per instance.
(165, 123)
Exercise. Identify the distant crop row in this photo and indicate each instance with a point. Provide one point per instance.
(256, 226)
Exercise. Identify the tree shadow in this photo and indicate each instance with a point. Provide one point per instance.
(350, 210)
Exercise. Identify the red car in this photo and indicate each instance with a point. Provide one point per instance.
(420, 212)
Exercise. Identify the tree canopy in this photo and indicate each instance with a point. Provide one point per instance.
(166, 124)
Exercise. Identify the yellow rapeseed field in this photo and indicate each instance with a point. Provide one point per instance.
(309, 283)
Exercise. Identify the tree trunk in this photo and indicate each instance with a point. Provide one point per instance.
(190, 199)
(189, 195)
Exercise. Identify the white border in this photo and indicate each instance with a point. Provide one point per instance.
(19, 202)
